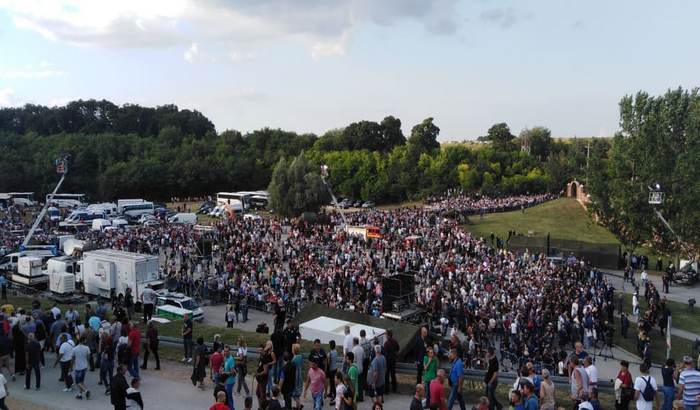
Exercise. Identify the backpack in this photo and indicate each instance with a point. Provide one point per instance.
(649, 393)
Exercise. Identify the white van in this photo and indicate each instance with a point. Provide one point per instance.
(100, 224)
(183, 218)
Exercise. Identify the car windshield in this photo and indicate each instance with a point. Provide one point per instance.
(189, 304)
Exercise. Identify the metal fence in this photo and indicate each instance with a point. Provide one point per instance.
(604, 255)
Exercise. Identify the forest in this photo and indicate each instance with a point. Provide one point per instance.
(134, 151)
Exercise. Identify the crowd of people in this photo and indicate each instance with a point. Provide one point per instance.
(456, 200)
(482, 304)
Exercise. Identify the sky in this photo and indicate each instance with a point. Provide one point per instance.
(315, 65)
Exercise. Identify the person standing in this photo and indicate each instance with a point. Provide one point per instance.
(231, 374)
(578, 379)
(107, 352)
(531, 402)
(33, 352)
(430, 365)
(626, 387)
(287, 380)
(353, 374)
(241, 361)
(645, 388)
(421, 344)
(65, 357)
(331, 371)
(668, 389)
(216, 362)
(298, 361)
(437, 391)
(391, 350)
(689, 385)
(591, 371)
(358, 355)
(148, 298)
(81, 361)
(456, 377)
(134, 343)
(378, 369)
(417, 401)
(119, 388)
(316, 380)
(491, 379)
(187, 328)
(129, 303)
(151, 345)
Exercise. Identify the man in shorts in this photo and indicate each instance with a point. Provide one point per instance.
(81, 360)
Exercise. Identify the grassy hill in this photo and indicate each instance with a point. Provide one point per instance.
(563, 218)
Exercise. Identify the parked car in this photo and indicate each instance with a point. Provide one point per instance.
(206, 207)
(145, 217)
(368, 204)
(357, 204)
(176, 305)
(152, 223)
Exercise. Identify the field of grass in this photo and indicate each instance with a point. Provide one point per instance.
(563, 218)
(682, 318)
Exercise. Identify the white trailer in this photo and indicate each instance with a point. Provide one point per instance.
(108, 270)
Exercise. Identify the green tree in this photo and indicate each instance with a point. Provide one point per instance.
(500, 136)
(537, 141)
(296, 187)
(424, 137)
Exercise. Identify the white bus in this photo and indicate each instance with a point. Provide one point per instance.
(228, 198)
(22, 198)
(135, 210)
(67, 200)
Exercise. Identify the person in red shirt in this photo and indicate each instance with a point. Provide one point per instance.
(626, 383)
(134, 342)
(437, 391)
(220, 402)
(215, 362)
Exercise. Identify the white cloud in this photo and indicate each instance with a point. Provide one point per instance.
(191, 53)
(7, 97)
(324, 27)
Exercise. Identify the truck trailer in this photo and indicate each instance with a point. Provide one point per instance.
(108, 271)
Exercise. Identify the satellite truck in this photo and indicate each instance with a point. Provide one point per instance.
(108, 271)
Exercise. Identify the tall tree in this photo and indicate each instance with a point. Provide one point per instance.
(424, 137)
(296, 187)
(391, 133)
(500, 136)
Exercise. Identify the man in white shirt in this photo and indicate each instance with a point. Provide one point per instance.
(81, 355)
(640, 385)
(148, 298)
(644, 276)
(347, 342)
(591, 371)
(359, 354)
(64, 357)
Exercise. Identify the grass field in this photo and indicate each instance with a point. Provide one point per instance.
(563, 218)
(682, 317)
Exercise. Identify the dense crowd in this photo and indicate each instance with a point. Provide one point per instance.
(470, 205)
(479, 301)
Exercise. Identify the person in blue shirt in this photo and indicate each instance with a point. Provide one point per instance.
(456, 377)
(531, 402)
(230, 369)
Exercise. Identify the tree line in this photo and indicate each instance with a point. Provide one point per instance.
(133, 151)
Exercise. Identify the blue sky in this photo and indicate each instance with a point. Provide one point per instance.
(313, 65)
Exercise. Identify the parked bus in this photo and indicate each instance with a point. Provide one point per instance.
(22, 198)
(67, 200)
(136, 210)
(228, 198)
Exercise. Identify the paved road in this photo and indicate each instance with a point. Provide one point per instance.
(169, 389)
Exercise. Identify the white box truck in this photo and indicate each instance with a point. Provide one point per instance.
(108, 270)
